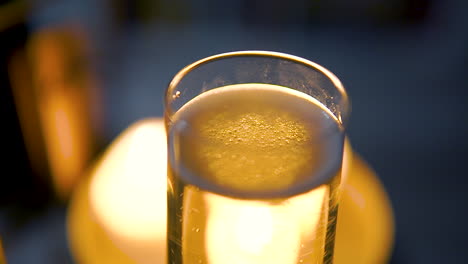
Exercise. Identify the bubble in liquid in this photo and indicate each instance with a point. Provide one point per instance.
(176, 95)
(194, 210)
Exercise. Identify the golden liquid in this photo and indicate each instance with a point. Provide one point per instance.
(250, 177)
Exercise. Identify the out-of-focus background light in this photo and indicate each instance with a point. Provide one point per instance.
(74, 74)
(117, 213)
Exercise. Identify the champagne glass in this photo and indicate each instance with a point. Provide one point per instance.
(255, 150)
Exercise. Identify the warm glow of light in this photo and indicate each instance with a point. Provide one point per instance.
(64, 133)
(254, 229)
(67, 143)
(128, 191)
(238, 231)
(365, 227)
(2, 257)
(58, 98)
(127, 213)
(307, 209)
(249, 234)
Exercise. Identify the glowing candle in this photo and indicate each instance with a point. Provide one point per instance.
(120, 216)
(128, 192)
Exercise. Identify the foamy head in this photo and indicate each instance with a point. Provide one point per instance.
(255, 140)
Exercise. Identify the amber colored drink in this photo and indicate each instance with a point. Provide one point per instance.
(249, 177)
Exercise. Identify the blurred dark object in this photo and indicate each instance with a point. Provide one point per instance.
(12, 13)
(336, 11)
(272, 12)
(20, 183)
(62, 95)
(2, 256)
(50, 102)
(143, 11)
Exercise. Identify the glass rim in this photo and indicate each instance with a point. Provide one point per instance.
(324, 175)
(261, 53)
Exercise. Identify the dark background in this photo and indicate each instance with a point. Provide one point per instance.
(403, 62)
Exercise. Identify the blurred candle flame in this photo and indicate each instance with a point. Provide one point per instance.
(55, 96)
(128, 192)
(62, 86)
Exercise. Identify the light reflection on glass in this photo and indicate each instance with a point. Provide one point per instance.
(246, 232)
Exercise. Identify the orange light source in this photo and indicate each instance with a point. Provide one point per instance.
(128, 192)
(2, 256)
(54, 93)
(119, 216)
